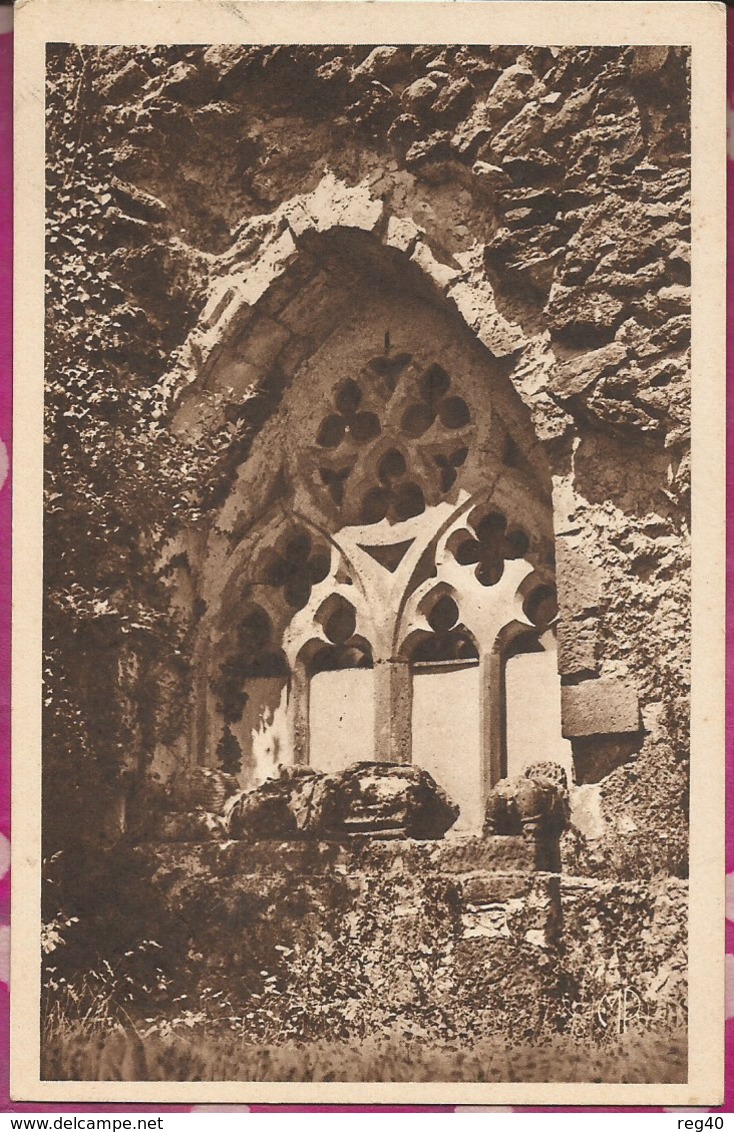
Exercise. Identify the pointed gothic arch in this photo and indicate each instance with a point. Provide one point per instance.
(394, 464)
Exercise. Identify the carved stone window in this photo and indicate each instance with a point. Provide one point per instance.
(399, 575)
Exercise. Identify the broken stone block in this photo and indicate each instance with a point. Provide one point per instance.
(510, 92)
(433, 148)
(375, 799)
(649, 60)
(473, 132)
(490, 177)
(576, 310)
(534, 805)
(404, 130)
(538, 798)
(386, 800)
(674, 300)
(273, 811)
(439, 273)
(534, 167)
(121, 83)
(604, 706)
(549, 420)
(382, 62)
(402, 234)
(335, 73)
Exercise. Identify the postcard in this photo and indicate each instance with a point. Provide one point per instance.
(368, 687)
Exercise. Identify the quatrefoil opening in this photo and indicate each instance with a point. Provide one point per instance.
(296, 568)
(490, 547)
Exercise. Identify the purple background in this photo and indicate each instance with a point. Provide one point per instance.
(6, 79)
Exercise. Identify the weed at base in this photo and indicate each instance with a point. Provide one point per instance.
(82, 1053)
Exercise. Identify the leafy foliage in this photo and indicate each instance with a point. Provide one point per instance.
(121, 294)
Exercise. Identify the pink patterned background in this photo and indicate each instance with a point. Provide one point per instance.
(6, 1105)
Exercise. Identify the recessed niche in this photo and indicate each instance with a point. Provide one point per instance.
(297, 591)
(375, 504)
(492, 545)
(448, 640)
(355, 653)
(363, 427)
(296, 566)
(347, 420)
(448, 467)
(338, 620)
(467, 552)
(490, 571)
(516, 544)
(319, 565)
(390, 367)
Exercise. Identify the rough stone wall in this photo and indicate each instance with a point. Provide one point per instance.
(444, 940)
(554, 183)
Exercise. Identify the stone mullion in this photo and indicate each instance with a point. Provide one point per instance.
(393, 702)
(492, 716)
(298, 714)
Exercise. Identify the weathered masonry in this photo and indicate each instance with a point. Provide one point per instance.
(380, 581)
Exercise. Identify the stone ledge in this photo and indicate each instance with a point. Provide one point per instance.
(454, 856)
(496, 887)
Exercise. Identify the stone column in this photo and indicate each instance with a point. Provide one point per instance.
(392, 711)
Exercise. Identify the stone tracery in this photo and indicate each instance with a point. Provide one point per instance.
(393, 556)
(392, 441)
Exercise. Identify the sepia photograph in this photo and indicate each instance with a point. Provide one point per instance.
(365, 737)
